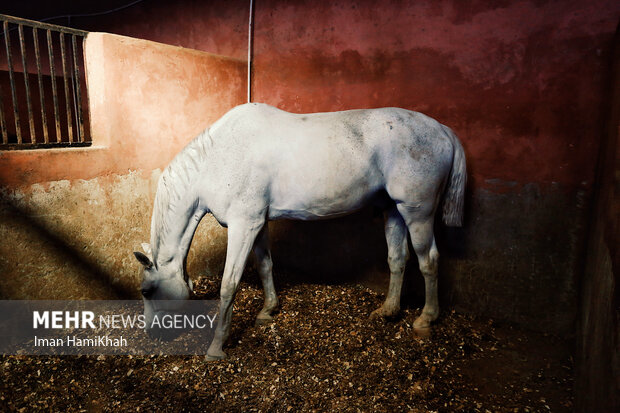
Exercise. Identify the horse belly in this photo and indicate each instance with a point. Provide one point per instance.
(322, 188)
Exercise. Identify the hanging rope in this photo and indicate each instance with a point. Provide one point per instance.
(250, 51)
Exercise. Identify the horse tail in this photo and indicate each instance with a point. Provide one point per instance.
(453, 203)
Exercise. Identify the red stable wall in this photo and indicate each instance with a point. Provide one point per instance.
(520, 81)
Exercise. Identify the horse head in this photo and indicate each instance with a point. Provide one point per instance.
(163, 290)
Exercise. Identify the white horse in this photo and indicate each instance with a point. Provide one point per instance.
(258, 163)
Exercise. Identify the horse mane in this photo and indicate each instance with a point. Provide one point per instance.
(174, 185)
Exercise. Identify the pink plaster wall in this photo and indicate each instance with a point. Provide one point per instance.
(70, 218)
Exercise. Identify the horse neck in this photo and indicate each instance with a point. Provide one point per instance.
(171, 239)
(177, 210)
(176, 216)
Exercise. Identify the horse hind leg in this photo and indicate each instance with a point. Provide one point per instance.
(265, 271)
(398, 254)
(428, 267)
(423, 241)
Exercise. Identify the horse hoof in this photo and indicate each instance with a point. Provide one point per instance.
(422, 322)
(375, 315)
(422, 332)
(382, 313)
(262, 321)
(216, 357)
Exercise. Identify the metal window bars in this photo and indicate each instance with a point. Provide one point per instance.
(67, 110)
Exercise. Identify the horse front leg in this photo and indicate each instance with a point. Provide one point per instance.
(265, 270)
(241, 236)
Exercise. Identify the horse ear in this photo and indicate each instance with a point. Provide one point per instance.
(143, 259)
(147, 249)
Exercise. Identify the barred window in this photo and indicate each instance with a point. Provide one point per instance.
(43, 96)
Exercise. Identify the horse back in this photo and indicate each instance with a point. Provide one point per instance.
(322, 164)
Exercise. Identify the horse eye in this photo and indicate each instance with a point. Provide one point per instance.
(147, 289)
(147, 292)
